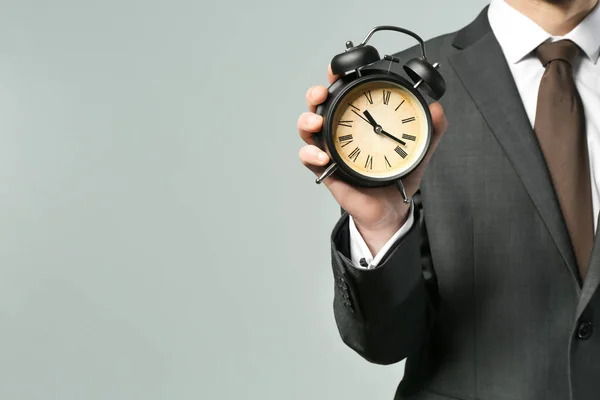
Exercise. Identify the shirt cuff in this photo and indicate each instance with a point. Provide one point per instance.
(359, 251)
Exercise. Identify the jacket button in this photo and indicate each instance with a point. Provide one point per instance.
(349, 306)
(585, 330)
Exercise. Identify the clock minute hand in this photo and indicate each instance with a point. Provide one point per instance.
(402, 142)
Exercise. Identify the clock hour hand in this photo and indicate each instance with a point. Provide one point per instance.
(371, 119)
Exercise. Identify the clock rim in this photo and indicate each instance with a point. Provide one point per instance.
(339, 94)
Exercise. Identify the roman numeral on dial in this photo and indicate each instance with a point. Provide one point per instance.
(406, 120)
(409, 137)
(346, 123)
(369, 96)
(400, 152)
(354, 155)
(369, 162)
(387, 162)
(402, 102)
(345, 140)
(386, 96)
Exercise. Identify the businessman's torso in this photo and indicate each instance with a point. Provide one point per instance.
(514, 321)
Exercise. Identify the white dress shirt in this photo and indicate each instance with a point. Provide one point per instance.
(519, 36)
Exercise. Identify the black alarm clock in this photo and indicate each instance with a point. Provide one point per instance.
(377, 126)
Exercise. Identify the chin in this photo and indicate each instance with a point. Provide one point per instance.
(558, 2)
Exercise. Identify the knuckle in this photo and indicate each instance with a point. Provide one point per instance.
(299, 121)
(306, 162)
(302, 120)
(315, 95)
(312, 95)
(302, 156)
(309, 93)
(320, 92)
(303, 152)
(306, 154)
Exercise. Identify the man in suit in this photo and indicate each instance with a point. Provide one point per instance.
(487, 281)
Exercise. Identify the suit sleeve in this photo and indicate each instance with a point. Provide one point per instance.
(385, 314)
(359, 251)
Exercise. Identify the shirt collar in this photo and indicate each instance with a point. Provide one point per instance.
(518, 35)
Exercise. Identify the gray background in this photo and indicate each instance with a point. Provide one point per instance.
(159, 238)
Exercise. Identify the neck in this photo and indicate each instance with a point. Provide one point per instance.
(557, 17)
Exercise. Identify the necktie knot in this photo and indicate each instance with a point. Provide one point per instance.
(564, 50)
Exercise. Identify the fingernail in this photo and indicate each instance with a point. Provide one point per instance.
(313, 119)
(322, 156)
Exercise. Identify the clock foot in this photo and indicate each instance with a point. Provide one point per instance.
(400, 187)
(327, 173)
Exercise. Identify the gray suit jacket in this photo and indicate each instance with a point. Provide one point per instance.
(482, 297)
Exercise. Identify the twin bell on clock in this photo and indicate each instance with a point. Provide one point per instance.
(377, 126)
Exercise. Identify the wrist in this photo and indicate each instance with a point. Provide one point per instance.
(377, 235)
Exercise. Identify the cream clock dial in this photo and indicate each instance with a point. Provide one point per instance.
(380, 129)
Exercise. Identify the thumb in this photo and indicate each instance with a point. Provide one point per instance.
(440, 123)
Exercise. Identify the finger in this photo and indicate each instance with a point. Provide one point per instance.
(314, 96)
(330, 76)
(313, 158)
(308, 124)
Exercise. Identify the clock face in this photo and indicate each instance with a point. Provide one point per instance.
(380, 129)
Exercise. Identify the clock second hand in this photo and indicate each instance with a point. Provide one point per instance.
(366, 120)
(378, 129)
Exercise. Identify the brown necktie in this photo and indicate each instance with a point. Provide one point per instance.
(560, 129)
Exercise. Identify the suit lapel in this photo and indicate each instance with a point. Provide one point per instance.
(482, 68)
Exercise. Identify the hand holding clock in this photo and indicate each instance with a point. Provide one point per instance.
(377, 212)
